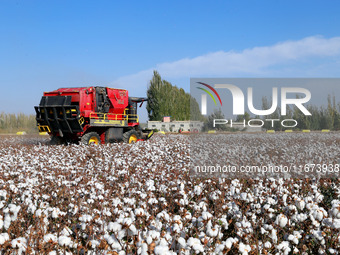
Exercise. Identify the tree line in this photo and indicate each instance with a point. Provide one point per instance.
(12, 123)
(165, 99)
(322, 117)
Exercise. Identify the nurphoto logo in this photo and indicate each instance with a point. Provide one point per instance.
(238, 107)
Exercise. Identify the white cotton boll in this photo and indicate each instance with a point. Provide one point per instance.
(213, 232)
(112, 241)
(284, 246)
(127, 221)
(335, 212)
(114, 226)
(106, 212)
(31, 208)
(183, 201)
(266, 206)
(149, 240)
(3, 194)
(232, 190)
(284, 198)
(271, 201)
(181, 243)
(162, 248)
(293, 239)
(314, 222)
(50, 237)
(133, 230)
(38, 212)
(152, 201)
(214, 196)
(64, 241)
(181, 186)
(3, 238)
(176, 228)
(198, 190)
(332, 251)
(224, 223)
(244, 249)
(139, 212)
(85, 218)
(203, 205)
(144, 248)
(318, 197)
(281, 220)
(83, 226)
(155, 235)
(163, 215)
(219, 248)
(7, 221)
(54, 213)
(318, 235)
(19, 243)
(300, 204)
(243, 196)
(267, 245)
(229, 242)
(188, 216)
(319, 214)
(263, 231)
(195, 244)
(66, 231)
(333, 223)
(299, 217)
(2, 204)
(273, 235)
(206, 216)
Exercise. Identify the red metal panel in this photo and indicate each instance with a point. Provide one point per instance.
(119, 99)
(86, 103)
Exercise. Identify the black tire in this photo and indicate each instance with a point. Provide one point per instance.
(90, 138)
(57, 140)
(130, 136)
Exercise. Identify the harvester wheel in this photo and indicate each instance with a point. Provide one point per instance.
(57, 140)
(90, 138)
(130, 136)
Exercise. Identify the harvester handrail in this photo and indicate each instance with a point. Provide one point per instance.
(114, 116)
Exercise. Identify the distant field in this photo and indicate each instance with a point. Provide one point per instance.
(140, 199)
(302, 155)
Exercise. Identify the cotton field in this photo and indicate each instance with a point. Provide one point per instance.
(140, 199)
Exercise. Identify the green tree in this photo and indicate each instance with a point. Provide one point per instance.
(209, 122)
(168, 100)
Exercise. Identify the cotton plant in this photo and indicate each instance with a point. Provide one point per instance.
(127, 199)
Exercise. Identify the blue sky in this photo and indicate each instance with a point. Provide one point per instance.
(45, 45)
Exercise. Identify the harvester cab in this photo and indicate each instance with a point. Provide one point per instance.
(90, 115)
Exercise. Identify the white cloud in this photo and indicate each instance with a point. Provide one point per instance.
(257, 61)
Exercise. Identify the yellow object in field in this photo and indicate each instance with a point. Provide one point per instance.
(288, 131)
(211, 131)
(43, 133)
(306, 131)
(325, 130)
(21, 133)
(270, 131)
(162, 132)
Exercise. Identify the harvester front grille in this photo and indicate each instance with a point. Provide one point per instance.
(57, 113)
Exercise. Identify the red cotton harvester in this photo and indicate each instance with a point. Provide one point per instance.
(90, 115)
